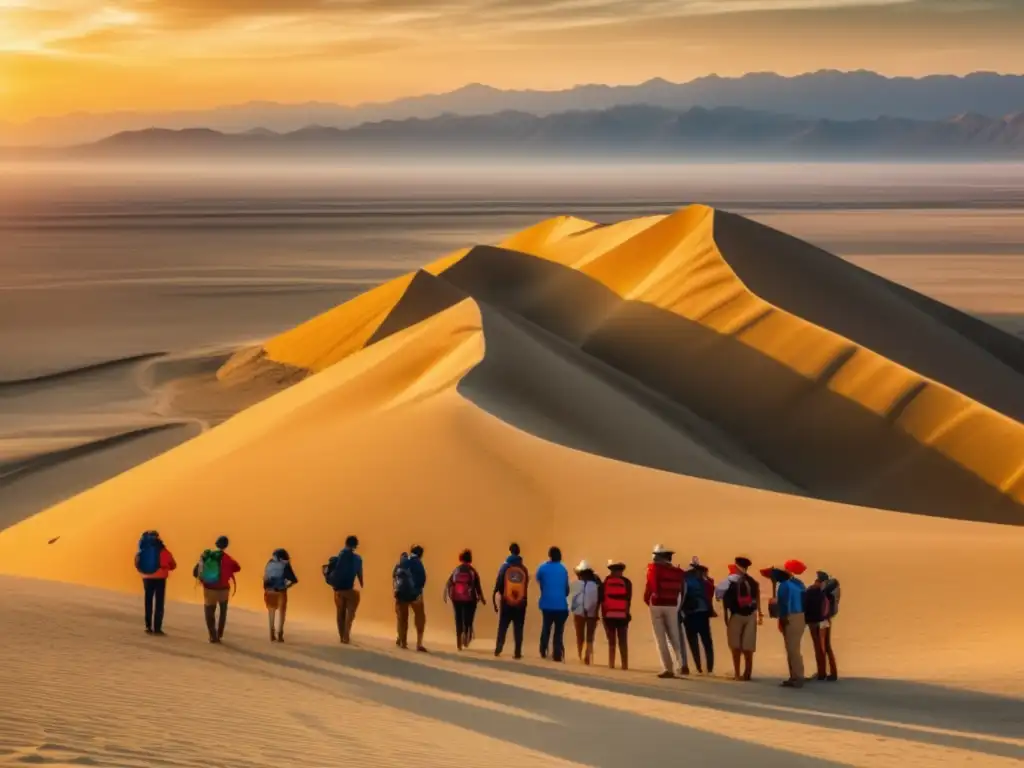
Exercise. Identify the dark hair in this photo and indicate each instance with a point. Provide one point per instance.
(417, 550)
(281, 554)
(222, 542)
(352, 542)
(466, 556)
(555, 554)
(513, 548)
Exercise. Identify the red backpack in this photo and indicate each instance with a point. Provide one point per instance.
(463, 589)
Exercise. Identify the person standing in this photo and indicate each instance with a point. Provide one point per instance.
(410, 577)
(342, 573)
(278, 578)
(464, 590)
(216, 571)
(553, 580)
(511, 588)
(585, 604)
(742, 609)
(663, 593)
(155, 563)
(696, 612)
(818, 615)
(616, 599)
(791, 620)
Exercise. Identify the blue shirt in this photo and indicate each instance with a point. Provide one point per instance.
(553, 580)
(419, 573)
(790, 597)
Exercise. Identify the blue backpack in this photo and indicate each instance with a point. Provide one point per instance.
(405, 588)
(147, 560)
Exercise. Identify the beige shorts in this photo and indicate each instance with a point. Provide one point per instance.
(215, 596)
(742, 632)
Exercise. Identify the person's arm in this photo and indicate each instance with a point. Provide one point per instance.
(289, 576)
(479, 587)
(170, 565)
(649, 585)
(783, 600)
(359, 571)
(448, 585)
(681, 597)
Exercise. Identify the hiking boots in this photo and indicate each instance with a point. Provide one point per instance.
(667, 675)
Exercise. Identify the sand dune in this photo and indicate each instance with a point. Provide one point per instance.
(536, 392)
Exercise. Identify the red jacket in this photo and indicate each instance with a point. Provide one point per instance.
(228, 568)
(167, 565)
(664, 584)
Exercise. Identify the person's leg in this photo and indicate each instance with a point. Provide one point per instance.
(833, 673)
(459, 609)
(148, 596)
(748, 641)
(402, 616)
(560, 618)
(547, 621)
(818, 640)
(579, 624)
(675, 630)
(591, 632)
(623, 633)
(222, 620)
(352, 599)
(283, 608)
(518, 623)
(159, 597)
(609, 633)
(504, 619)
(661, 637)
(734, 640)
(272, 615)
(704, 634)
(469, 622)
(690, 631)
(419, 613)
(793, 635)
(210, 614)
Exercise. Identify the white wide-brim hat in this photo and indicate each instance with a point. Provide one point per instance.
(583, 566)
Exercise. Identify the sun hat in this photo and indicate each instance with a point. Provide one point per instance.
(613, 564)
(795, 567)
(583, 566)
(743, 562)
(660, 550)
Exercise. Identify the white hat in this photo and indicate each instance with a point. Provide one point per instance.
(583, 566)
(613, 563)
(660, 550)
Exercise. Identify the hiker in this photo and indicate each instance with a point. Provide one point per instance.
(790, 603)
(409, 578)
(511, 587)
(663, 593)
(216, 571)
(742, 608)
(616, 598)
(464, 590)
(696, 612)
(585, 604)
(553, 580)
(155, 562)
(820, 607)
(278, 578)
(341, 574)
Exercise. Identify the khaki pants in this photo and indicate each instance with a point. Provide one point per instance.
(667, 634)
(419, 617)
(793, 633)
(347, 602)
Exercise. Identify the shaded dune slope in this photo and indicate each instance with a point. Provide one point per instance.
(642, 341)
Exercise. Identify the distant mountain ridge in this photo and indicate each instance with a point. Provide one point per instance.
(825, 94)
(616, 132)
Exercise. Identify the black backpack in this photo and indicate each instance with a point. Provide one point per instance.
(328, 570)
(831, 590)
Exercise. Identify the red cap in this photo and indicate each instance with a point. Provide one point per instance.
(767, 572)
(795, 567)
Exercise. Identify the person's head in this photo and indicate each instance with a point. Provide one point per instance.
(513, 549)
(416, 550)
(466, 556)
(555, 555)
(661, 554)
(352, 542)
(821, 578)
(281, 554)
(616, 568)
(743, 563)
(222, 542)
(696, 565)
(583, 571)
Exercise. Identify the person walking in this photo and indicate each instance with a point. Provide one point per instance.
(341, 574)
(216, 571)
(553, 580)
(278, 578)
(663, 594)
(511, 589)
(464, 590)
(410, 577)
(616, 599)
(154, 562)
(696, 613)
(741, 603)
(818, 614)
(585, 604)
(790, 603)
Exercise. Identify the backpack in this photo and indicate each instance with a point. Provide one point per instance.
(831, 590)
(342, 573)
(405, 590)
(328, 569)
(743, 594)
(273, 575)
(513, 592)
(463, 589)
(209, 567)
(696, 597)
(147, 561)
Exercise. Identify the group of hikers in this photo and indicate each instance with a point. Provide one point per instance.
(682, 603)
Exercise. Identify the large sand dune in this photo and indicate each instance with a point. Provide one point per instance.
(603, 388)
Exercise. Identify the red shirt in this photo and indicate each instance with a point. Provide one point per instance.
(664, 584)
(228, 568)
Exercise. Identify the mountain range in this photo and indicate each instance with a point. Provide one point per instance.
(627, 131)
(827, 94)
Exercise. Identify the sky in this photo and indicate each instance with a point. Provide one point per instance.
(64, 56)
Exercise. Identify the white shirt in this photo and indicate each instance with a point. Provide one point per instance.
(583, 598)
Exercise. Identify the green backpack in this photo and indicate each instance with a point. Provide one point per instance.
(209, 567)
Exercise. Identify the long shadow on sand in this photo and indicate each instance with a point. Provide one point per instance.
(817, 441)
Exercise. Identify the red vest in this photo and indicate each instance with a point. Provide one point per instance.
(668, 584)
(616, 598)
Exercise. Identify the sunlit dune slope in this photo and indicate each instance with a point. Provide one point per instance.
(656, 309)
